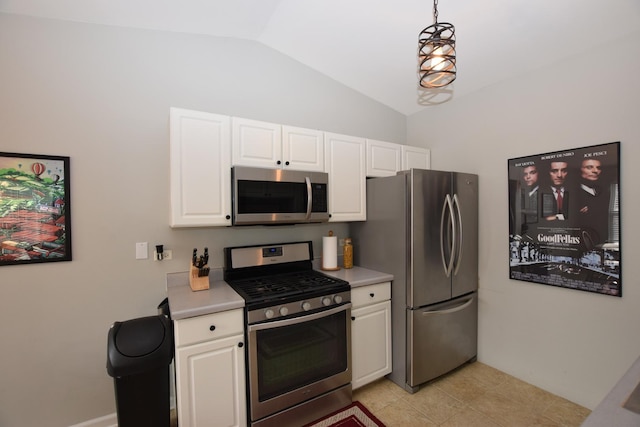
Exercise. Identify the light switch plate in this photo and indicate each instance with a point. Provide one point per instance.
(142, 250)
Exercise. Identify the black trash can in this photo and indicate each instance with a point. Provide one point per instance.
(139, 352)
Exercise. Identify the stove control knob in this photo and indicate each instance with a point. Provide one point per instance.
(284, 311)
(268, 313)
(306, 306)
(326, 301)
(337, 299)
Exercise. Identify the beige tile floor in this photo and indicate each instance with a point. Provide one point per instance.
(475, 395)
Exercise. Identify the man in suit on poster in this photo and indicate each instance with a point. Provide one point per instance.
(555, 201)
(593, 202)
(530, 194)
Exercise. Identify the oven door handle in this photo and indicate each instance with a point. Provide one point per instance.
(300, 319)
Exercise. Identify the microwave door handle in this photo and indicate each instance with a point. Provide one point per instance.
(309, 197)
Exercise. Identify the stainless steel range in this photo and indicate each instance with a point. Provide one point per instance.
(298, 333)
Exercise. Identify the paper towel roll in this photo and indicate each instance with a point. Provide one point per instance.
(330, 252)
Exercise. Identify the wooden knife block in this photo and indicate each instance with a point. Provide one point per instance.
(197, 283)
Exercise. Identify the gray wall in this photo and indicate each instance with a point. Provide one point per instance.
(101, 95)
(572, 343)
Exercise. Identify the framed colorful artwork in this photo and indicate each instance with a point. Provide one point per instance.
(35, 209)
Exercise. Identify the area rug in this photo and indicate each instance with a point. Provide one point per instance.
(354, 415)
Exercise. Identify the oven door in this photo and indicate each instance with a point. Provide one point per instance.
(297, 359)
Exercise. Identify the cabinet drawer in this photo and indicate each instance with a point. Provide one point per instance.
(370, 294)
(208, 327)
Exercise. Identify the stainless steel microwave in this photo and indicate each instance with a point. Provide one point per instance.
(277, 196)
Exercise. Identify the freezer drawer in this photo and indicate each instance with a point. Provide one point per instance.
(441, 337)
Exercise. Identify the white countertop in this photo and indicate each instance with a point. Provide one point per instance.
(184, 303)
(358, 276)
(610, 411)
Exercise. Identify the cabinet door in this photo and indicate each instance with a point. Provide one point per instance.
(210, 384)
(256, 144)
(371, 343)
(345, 162)
(200, 168)
(415, 158)
(383, 158)
(303, 149)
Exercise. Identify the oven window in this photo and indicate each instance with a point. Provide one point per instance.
(256, 197)
(293, 356)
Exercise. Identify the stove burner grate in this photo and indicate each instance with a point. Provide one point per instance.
(283, 285)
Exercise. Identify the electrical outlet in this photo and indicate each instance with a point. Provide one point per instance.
(340, 242)
(166, 254)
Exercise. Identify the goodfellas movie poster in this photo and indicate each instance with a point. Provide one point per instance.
(564, 219)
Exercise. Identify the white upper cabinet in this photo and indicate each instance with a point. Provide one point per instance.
(383, 158)
(303, 149)
(200, 168)
(270, 145)
(415, 158)
(387, 158)
(257, 144)
(345, 161)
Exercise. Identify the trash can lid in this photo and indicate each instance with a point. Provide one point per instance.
(139, 337)
(139, 345)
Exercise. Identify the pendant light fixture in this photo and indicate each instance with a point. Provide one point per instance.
(437, 53)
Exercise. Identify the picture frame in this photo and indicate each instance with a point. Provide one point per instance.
(35, 209)
(564, 219)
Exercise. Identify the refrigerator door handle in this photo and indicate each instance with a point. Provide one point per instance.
(447, 264)
(457, 256)
(459, 307)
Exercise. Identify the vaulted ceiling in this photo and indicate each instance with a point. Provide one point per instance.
(371, 46)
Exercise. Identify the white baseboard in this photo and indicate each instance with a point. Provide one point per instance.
(110, 420)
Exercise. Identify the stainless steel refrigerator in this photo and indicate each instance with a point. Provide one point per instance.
(422, 227)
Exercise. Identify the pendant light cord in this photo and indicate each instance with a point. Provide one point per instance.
(435, 10)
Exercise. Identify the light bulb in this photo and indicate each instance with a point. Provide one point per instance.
(437, 62)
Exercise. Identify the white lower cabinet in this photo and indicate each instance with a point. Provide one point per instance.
(370, 333)
(210, 370)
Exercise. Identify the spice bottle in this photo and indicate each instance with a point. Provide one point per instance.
(347, 253)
